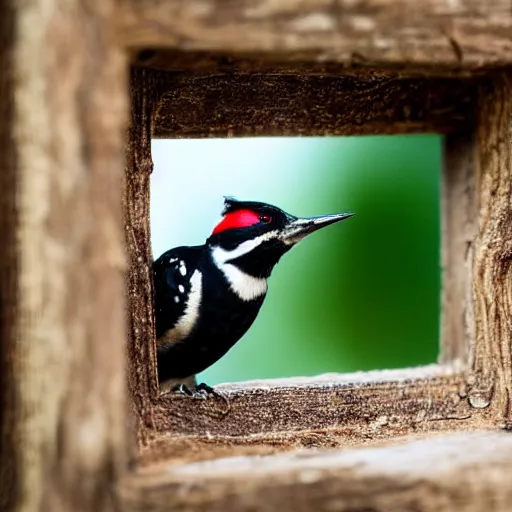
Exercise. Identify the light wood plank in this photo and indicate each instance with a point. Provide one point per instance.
(462, 33)
(63, 403)
(467, 472)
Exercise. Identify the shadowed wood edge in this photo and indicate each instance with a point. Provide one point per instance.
(266, 104)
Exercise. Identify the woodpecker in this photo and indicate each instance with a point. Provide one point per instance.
(207, 296)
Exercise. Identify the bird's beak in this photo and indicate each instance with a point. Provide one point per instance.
(297, 229)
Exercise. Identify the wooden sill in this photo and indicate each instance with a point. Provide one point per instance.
(455, 471)
(344, 380)
(332, 410)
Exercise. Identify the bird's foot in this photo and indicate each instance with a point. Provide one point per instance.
(201, 391)
(207, 390)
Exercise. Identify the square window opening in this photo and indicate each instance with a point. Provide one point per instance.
(361, 295)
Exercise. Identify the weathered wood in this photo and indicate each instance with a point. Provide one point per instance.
(195, 106)
(336, 411)
(11, 479)
(491, 359)
(204, 63)
(141, 333)
(267, 68)
(467, 472)
(466, 33)
(459, 216)
(63, 410)
(231, 105)
(380, 405)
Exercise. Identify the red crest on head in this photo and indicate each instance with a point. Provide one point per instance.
(237, 219)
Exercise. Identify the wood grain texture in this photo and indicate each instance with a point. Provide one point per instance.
(491, 359)
(465, 33)
(269, 417)
(459, 217)
(141, 331)
(10, 469)
(63, 428)
(204, 63)
(378, 405)
(188, 105)
(254, 105)
(467, 472)
(62, 270)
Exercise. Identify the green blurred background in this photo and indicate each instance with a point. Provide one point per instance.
(360, 295)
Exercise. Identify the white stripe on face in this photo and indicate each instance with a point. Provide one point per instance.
(186, 322)
(245, 286)
(221, 255)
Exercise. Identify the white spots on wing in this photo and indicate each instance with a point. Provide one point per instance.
(176, 299)
(186, 322)
(181, 266)
(181, 288)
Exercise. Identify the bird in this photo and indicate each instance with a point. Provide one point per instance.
(207, 296)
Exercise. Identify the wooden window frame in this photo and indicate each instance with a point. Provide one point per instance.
(64, 440)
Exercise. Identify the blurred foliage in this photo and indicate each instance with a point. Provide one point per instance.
(359, 295)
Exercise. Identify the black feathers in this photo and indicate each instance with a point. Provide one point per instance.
(232, 205)
(172, 272)
(207, 297)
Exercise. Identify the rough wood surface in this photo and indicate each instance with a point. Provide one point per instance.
(462, 33)
(382, 404)
(491, 354)
(187, 105)
(467, 472)
(459, 217)
(63, 407)
(141, 334)
(231, 105)
(62, 266)
(268, 417)
(203, 63)
(10, 470)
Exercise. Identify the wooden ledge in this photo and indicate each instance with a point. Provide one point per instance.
(343, 380)
(465, 471)
(330, 410)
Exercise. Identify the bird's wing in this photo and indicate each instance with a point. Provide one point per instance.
(171, 274)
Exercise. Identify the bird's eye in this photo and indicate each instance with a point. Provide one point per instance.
(265, 218)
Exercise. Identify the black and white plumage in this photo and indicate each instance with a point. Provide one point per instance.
(208, 296)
